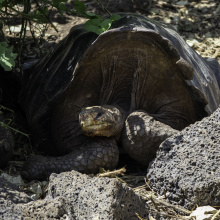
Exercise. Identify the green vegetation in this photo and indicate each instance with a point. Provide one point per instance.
(7, 57)
(96, 23)
(22, 9)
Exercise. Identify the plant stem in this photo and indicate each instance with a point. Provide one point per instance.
(48, 19)
(5, 108)
(13, 129)
(104, 8)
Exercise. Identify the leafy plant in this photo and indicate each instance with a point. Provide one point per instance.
(96, 23)
(9, 9)
(7, 57)
(15, 9)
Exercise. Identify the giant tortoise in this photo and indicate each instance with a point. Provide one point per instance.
(134, 85)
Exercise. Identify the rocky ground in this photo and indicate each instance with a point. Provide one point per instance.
(197, 21)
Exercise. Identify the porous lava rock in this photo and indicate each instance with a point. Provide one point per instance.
(72, 195)
(96, 198)
(187, 166)
(10, 195)
(16, 204)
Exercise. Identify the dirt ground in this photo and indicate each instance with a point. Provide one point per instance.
(198, 22)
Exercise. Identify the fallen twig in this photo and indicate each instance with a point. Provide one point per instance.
(168, 215)
(139, 216)
(112, 173)
(176, 207)
(216, 215)
(217, 53)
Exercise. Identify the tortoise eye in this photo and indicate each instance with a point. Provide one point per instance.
(99, 115)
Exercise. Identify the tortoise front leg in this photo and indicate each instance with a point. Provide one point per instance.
(142, 136)
(92, 155)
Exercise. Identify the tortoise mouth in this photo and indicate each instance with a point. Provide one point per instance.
(93, 125)
(96, 129)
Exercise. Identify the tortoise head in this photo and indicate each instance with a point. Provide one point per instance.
(103, 120)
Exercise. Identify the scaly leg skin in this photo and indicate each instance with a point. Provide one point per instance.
(142, 136)
(94, 154)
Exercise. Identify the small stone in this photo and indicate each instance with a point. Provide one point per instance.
(192, 42)
(181, 3)
(167, 20)
(217, 11)
(16, 180)
(16, 29)
(208, 35)
(155, 11)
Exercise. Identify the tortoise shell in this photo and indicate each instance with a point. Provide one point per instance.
(138, 64)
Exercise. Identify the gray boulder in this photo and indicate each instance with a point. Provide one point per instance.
(72, 195)
(96, 198)
(187, 166)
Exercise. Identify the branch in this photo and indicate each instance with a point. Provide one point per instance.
(48, 19)
(104, 8)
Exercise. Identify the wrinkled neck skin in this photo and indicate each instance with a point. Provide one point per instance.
(105, 120)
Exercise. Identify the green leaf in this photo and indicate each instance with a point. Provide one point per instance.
(106, 24)
(56, 3)
(93, 25)
(115, 17)
(80, 7)
(39, 17)
(92, 15)
(89, 14)
(94, 29)
(45, 10)
(7, 56)
(62, 7)
(1, 1)
(96, 22)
